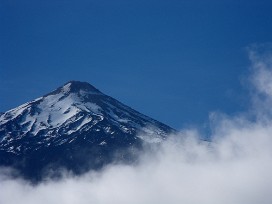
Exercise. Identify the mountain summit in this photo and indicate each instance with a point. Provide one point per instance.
(76, 127)
(77, 86)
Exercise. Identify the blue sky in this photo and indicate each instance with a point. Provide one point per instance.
(175, 61)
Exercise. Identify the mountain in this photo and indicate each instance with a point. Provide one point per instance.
(75, 127)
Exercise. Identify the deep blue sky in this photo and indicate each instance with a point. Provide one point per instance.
(173, 60)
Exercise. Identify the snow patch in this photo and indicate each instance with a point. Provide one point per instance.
(103, 143)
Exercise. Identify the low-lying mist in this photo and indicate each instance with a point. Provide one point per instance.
(235, 168)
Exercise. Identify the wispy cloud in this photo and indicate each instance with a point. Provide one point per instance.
(235, 168)
(261, 78)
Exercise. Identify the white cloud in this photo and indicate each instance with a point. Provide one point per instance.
(261, 79)
(234, 169)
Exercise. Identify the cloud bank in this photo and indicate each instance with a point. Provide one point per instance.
(235, 168)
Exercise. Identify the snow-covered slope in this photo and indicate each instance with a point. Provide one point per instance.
(75, 115)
